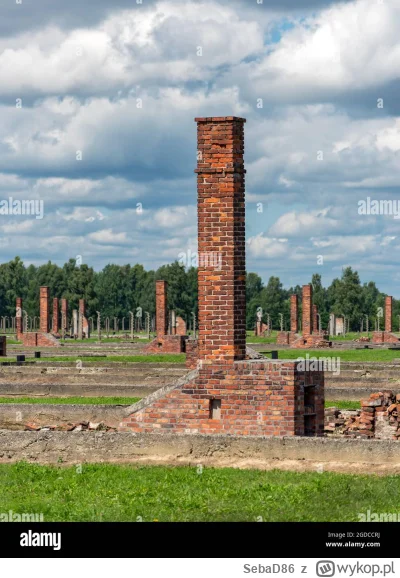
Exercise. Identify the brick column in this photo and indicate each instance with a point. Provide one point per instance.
(44, 310)
(315, 318)
(388, 313)
(18, 317)
(221, 239)
(161, 309)
(307, 310)
(64, 310)
(294, 305)
(55, 315)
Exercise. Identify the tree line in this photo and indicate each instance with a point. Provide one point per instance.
(118, 289)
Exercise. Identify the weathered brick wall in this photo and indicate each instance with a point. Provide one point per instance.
(246, 398)
(192, 353)
(32, 339)
(221, 239)
(161, 308)
(388, 314)
(18, 317)
(315, 318)
(167, 344)
(307, 325)
(294, 308)
(84, 320)
(261, 328)
(384, 337)
(44, 309)
(180, 326)
(55, 315)
(64, 311)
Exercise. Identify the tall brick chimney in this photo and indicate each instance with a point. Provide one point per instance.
(161, 308)
(294, 305)
(55, 315)
(64, 311)
(18, 317)
(44, 309)
(315, 318)
(388, 313)
(307, 325)
(221, 239)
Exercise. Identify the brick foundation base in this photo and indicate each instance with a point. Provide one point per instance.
(35, 339)
(311, 341)
(167, 344)
(249, 397)
(286, 337)
(384, 337)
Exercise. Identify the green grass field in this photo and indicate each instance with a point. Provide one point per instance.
(126, 493)
(72, 400)
(344, 404)
(344, 354)
(156, 358)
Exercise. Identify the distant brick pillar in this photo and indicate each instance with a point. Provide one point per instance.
(18, 317)
(315, 318)
(161, 309)
(307, 311)
(294, 306)
(55, 315)
(64, 311)
(44, 309)
(221, 239)
(83, 323)
(388, 313)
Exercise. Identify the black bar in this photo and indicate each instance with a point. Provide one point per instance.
(160, 540)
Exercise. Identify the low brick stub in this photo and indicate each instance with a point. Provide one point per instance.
(257, 398)
(384, 337)
(167, 344)
(33, 339)
(286, 337)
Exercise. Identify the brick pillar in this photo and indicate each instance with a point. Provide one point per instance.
(294, 306)
(315, 318)
(55, 315)
(161, 309)
(18, 317)
(388, 313)
(221, 239)
(307, 310)
(64, 310)
(44, 310)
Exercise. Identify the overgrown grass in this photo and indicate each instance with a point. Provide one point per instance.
(109, 492)
(343, 354)
(343, 404)
(72, 400)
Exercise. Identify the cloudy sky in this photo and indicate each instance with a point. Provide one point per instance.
(97, 101)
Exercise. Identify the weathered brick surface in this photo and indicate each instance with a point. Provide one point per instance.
(388, 314)
(228, 393)
(164, 343)
(44, 309)
(167, 344)
(257, 398)
(161, 308)
(294, 312)
(180, 326)
(64, 311)
(55, 315)
(84, 320)
(18, 317)
(307, 325)
(32, 339)
(384, 337)
(286, 337)
(315, 318)
(192, 353)
(221, 237)
(261, 328)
